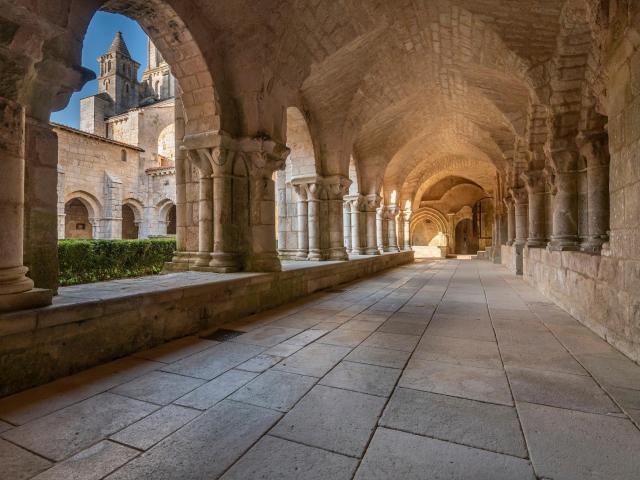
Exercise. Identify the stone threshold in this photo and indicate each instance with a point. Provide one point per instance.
(94, 323)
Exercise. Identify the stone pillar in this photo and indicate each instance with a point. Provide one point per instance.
(382, 240)
(565, 201)
(520, 198)
(595, 150)
(16, 289)
(181, 255)
(356, 203)
(451, 217)
(336, 187)
(314, 190)
(373, 202)
(406, 226)
(511, 220)
(535, 183)
(303, 221)
(392, 215)
(205, 222)
(346, 221)
(263, 157)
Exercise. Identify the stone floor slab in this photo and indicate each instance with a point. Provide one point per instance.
(93, 463)
(554, 359)
(574, 392)
(572, 445)
(260, 363)
(402, 327)
(207, 395)
(392, 341)
(314, 360)
(161, 388)
(306, 337)
(18, 464)
(267, 336)
(150, 430)
(344, 338)
(468, 422)
(487, 385)
(461, 351)
(74, 428)
(283, 350)
(204, 448)
(461, 327)
(275, 390)
(361, 377)
(277, 459)
(214, 361)
(379, 356)
(178, 349)
(333, 419)
(400, 455)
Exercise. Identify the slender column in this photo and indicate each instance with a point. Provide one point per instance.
(205, 223)
(313, 196)
(511, 220)
(535, 185)
(336, 187)
(381, 228)
(392, 215)
(406, 225)
(356, 238)
(348, 241)
(565, 201)
(373, 201)
(16, 289)
(181, 255)
(595, 150)
(303, 221)
(521, 213)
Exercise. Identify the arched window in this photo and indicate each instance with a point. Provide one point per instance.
(157, 87)
(126, 88)
(123, 155)
(109, 66)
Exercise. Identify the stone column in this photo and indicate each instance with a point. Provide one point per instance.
(520, 198)
(303, 221)
(565, 201)
(181, 256)
(595, 150)
(392, 215)
(346, 221)
(314, 190)
(336, 187)
(373, 202)
(263, 157)
(382, 239)
(511, 220)
(356, 202)
(535, 183)
(205, 222)
(406, 226)
(16, 289)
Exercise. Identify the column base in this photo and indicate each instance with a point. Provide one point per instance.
(392, 249)
(358, 251)
(34, 298)
(536, 243)
(264, 262)
(593, 244)
(202, 259)
(224, 262)
(338, 254)
(372, 251)
(315, 256)
(181, 257)
(561, 245)
(302, 255)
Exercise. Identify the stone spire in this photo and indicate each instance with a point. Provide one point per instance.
(118, 45)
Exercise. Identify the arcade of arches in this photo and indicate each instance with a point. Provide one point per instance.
(363, 132)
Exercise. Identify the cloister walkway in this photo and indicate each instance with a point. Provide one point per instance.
(450, 370)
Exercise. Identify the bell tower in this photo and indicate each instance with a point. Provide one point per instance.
(118, 75)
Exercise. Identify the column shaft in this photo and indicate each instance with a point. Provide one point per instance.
(205, 223)
(348, 241)
(303, 226)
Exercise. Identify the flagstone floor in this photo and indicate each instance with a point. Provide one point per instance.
(444, 370)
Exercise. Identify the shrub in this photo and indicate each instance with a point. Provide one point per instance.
(85, 261)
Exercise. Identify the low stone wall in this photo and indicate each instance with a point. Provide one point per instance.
(91, 324)
(602, 292)
(510, 258)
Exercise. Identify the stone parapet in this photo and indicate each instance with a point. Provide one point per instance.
(92, 324)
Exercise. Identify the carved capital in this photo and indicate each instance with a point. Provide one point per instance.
(210, 152)
(264, 155)
(563, 161)
(508, 202)
(594, 148)
(519, 195)
(535, 181)
(357, 202)
(373, 202)
(337, 186)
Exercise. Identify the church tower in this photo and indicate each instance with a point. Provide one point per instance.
(118, 75)
(158, 74)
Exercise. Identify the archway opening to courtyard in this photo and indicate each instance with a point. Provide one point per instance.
(130, 227)
(77, 223)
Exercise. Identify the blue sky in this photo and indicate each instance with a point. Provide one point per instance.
(101, 31)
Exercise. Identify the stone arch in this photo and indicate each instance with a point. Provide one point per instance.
(429, 233)
(136, 206)
(164, 209)
(167, 142)
(93, 210)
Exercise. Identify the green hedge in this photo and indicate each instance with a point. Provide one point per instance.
(85, 261)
